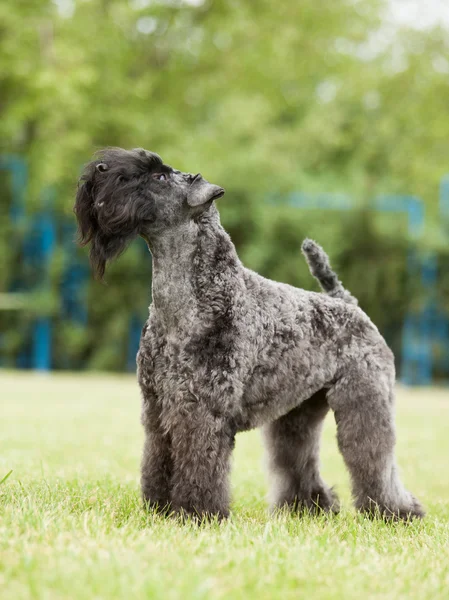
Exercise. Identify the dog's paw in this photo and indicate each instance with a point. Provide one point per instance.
(159, 506)
(319, 500)
(407, 512)
(200, 515)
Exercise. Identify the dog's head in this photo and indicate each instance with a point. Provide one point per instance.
(126, 193)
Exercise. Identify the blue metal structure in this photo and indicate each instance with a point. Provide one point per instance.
(135, 330)
(444, 200)
(425, 332)
(36, 252)
(18, 171)
(321, 201)
(74, 279)
(40, 254)
(19, 181)
(136, 321)
(441, 316)
(416, 364)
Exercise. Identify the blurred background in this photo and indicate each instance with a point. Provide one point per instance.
(327, 119)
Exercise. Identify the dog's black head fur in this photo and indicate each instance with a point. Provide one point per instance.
(126, 193)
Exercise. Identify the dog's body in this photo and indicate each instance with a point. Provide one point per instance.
(225, 350)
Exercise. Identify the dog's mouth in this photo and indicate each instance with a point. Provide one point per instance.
(202, 191)
(218, 194)
(215, 195)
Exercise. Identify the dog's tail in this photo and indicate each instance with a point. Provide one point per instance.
(320, 268)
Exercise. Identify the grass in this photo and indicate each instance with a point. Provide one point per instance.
(71, 523)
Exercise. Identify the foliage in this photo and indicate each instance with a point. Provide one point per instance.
(263, 98)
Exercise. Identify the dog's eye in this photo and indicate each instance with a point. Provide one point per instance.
(160, 176)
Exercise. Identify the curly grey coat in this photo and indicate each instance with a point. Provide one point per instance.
(225, 350)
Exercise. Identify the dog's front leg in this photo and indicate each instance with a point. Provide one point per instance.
(156, 471)
(156, 466)
(202, 443)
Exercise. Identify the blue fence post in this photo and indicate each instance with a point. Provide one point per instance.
(442, 317)
(444, 199)
(136, 321)
(416, 359)
(417, 332)
(74, 285)
(74, 280)
(19, 180)
(17, 167)
(429, 275)
(43, 231)
(44, 226)
(135, 330)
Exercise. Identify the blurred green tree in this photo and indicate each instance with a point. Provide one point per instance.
(263, 97)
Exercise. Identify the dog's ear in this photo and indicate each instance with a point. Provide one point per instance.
(104, 247)
(84, 211)
(201, 192)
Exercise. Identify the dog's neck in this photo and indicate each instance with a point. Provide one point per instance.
(195, 269)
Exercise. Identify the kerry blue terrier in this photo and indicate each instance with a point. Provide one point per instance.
(225, 350)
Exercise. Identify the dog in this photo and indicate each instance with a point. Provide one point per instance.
(225, 350)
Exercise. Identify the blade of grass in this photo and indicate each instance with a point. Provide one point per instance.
(5, 477)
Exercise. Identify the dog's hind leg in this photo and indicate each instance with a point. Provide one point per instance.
(293, 443)
(363, 403)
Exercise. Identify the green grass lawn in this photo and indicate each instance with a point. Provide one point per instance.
(72, 526)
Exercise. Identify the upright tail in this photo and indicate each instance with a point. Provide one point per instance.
(320, 268)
